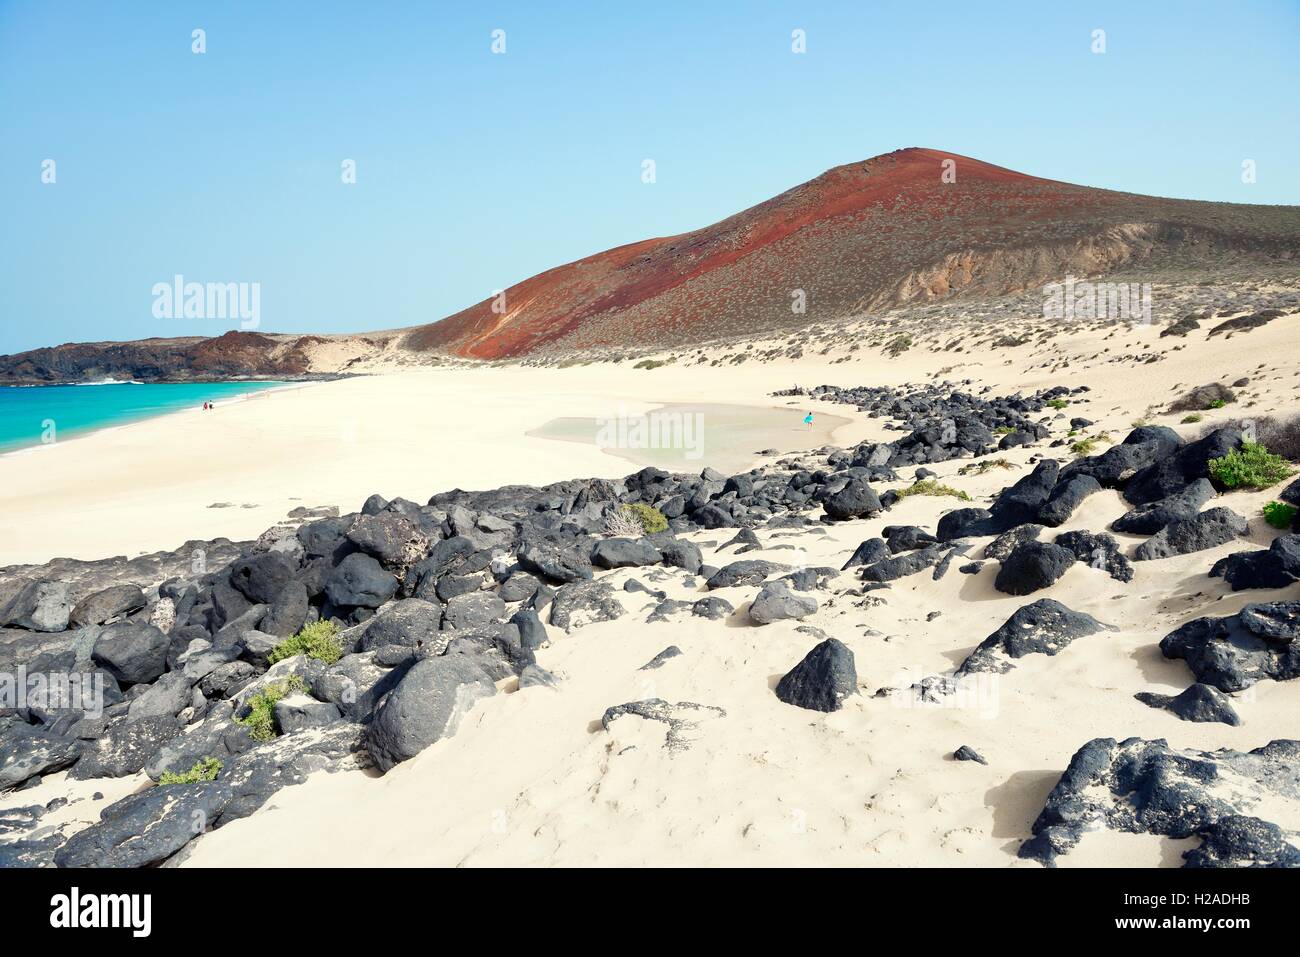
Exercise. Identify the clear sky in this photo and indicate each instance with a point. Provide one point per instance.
(476, 170)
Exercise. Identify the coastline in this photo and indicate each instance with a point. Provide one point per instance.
(75, 433)
(149, 485)
(414, 432)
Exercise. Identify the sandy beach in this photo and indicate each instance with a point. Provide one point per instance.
(531, 778)
(414, 432)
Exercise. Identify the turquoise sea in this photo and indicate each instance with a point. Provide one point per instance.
(29, 415)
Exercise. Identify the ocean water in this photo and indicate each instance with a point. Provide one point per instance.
(32, 415)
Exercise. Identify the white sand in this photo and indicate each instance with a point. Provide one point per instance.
(530, 778)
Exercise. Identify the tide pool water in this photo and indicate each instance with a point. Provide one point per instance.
(38, 414)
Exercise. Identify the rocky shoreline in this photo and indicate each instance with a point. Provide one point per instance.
(214, 685)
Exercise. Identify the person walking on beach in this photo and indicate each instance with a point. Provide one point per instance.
(807, 420)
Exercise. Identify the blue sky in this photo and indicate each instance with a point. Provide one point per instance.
(476, 170)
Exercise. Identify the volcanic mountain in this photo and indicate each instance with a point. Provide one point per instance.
(911, 226)
(861, 237)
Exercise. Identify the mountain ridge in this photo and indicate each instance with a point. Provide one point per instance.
(861, 237)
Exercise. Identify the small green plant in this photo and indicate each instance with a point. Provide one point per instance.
(1190, 419)
(652, 520)
(1251, 466)
(931, 487)
(1085, 445)
(979, 468)
(899, 345)
(1218, 404)
(1004, 430)
(649, 364)
(1140, 423)
(319, 640)
(1057, 403)
(205, 769)
(1280, 514)
(260, 719)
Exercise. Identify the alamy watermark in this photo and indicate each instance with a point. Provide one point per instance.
(52, 692)
(179, 299)
(652, 430)
(1072, 299)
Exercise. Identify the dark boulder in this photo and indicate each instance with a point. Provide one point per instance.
(131, 653)
(1148, 519)
(751, 571)
(1031, 567)
(1278, 566)
(822, 680)
(868, 553)
(39, 606)
(1191, 462)
(391, 537)
(553, 562)
(288, 612)
(900, 566)
(146, 828)
(967, 523)
(775, 602)
(1200, 702)
(1043, 627)
(1234, 652)
(26, 752)
(425, 706)
(855, 500)
(261, 578)
(582, 603)
(112, 602)
(1001, 547)
(1209, 529)
(625, 553)
(360, 581)
(410, 622)
(1066, 496)
(1099, 551)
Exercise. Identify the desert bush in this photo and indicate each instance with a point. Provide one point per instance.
(1252, 466)
(621, 523)
(635, 519)
(1280, 435)
(319, 640)
(1212, 396)
(979, 468)
(1279, 514)
(1190, 419)
(649, 364)
(931, 487)
(1057, 403)
(899, 345)
(260, 719)
(206, 769)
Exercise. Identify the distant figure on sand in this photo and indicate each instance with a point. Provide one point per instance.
(807, 420)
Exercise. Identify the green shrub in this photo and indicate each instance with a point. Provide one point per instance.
(931, 487)
(979, 468)
(899, 345)
(1251, 466)
(1218, 404)
(260, 720)
(649, 364)
(1004, 430)
(1086, 444)
(317, 640)
(1189, 419)
(1280, 514)
(652, 520)
(205, 769)
(1057, 403)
